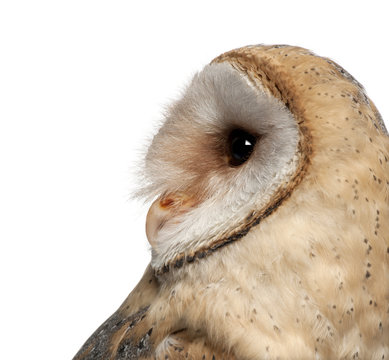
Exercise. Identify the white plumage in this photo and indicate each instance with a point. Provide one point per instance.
(217, 100)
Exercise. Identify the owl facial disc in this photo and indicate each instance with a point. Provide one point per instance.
(227, 147)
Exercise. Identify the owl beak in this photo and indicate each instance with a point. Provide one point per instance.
(164, 210)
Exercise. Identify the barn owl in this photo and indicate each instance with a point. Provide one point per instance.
(269, 228)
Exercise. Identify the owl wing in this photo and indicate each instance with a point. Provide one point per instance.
(186, 344)
(126, 334)
(130, 333)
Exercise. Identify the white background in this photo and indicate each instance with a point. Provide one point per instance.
(82, 88)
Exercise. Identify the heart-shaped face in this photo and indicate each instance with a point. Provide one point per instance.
(225, 149)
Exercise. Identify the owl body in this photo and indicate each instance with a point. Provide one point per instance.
(284, 256)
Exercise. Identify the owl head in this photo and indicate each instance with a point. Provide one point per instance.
(232, 149)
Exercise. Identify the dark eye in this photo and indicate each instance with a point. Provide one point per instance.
(240, 146)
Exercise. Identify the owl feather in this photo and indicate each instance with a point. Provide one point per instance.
(269, 231)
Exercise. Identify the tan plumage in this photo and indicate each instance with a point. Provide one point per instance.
(305, 275)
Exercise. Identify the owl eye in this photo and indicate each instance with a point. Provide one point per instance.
(240, 146)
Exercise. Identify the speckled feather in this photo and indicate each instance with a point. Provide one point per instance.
(308, 281)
